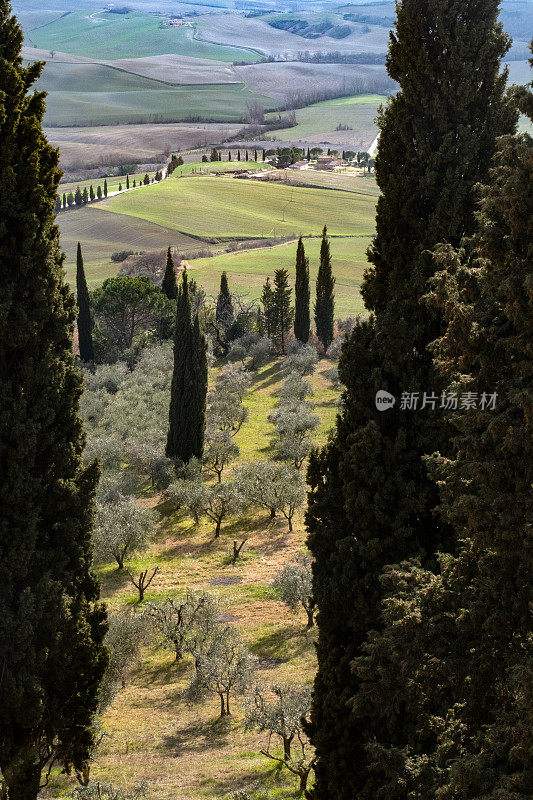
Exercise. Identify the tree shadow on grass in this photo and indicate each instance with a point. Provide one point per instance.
(267, 378)
(284, 643)
(198, 736)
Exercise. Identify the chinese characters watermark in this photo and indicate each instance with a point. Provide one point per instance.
(447, 401)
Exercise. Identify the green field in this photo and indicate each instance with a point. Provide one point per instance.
(112, 183)
(347, 181)
(227, 208)
(358, 112)
(247, 271)
(158, 103)
(134, 35)
(101, 234)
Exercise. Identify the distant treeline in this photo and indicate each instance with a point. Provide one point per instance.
(307, 57)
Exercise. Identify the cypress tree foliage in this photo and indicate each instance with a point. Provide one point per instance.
(99, 192)
(372, 502)
(127, 181)
(85, 336)
(458, 640)
(267, 300)
(64, 200)
(325, 297)
(189, 384)
(302, 295)
(169, 285)
(91, 193)
(225, 313)
(51, 625)
(282, 313)
(105, 187)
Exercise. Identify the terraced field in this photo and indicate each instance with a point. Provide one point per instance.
(228, 208)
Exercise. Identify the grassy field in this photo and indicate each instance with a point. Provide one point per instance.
(102, 234)
(184, 751)
(134, 35)
(122, 97)
(319, 121)
(247, 270)
(244, 208)
(112, 183)
(336, 180)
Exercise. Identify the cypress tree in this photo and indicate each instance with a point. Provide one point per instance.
(462, 655)
(302, 295)
(85, 336)
(91, 193)
(372, 502)
(189, 384)
(64, 200)
(169, 285)
(255, 156)
(51, 624)
(264, 154)
(57, 207)
(267, 299)
(239, 155)
(127, 181)
(229, 155)
(105, 187)
(325, 297)
(282, 313)
(78, 197)
(85, 196)
(99, 192)
(308, 154)
(225, 313)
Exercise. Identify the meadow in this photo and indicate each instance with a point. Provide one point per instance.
(184, 750)
(247, 270)
(134, 35)
(318, 122)
(245, 208)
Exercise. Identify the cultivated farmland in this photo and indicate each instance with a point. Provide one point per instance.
(245, 208)
(133, 143)
(135, 35)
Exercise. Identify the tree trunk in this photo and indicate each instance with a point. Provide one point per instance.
(222, 706)
(303, 781)
(310, 617)
(272, 513)
(217, 529)
(290, 524)
(22, 775)
(228, 712)
(287, 749)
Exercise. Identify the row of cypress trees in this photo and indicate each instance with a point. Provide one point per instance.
(413, 697)
(325, 296)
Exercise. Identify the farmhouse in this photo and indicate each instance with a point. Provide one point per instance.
(300, 165)
(328, 162)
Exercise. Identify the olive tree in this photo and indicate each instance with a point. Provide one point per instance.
(121, 529)
(294, 421)
(281, 716)
(215, 502)
(220, 449)
(223, 666)
(226, 411)
(301, 359)
(276, 487)
(294, 584)
(180, 624)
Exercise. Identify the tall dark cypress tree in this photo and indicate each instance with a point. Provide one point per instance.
(225, 313)
(105, 187)
(85, 335)
(189, 384)
(302, 295)
(282, 313)
(325, 297)
(458, 640)
(51, 625)
(169, 285)
(372, 502)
